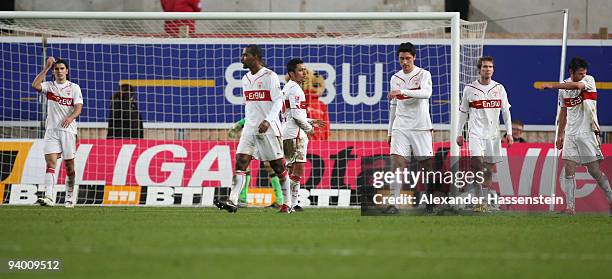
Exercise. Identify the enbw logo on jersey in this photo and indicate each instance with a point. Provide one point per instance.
(65, 101)
(258, 95)
(491, 103)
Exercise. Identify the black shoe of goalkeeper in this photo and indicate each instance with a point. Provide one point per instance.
(230, 207)
(298, 208)
(219, 204)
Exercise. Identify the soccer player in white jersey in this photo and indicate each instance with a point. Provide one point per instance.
(483, 100)
(578, 131)
(296, 127)
(261, 134)
(64, 105)
(410, 128)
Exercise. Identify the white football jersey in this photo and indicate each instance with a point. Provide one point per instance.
(581, 107)
(61, 100)
(411, 113)
(263, 101)
(483, 103)
(294, 110)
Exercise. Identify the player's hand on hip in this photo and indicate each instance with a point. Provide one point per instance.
(393, 94)
(509, 140)
(460, 140)
(67, 122)
(263, 127)
(559, 143)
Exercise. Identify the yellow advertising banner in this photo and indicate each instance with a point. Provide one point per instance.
(260, 197)
(14, 155)
(121, 195)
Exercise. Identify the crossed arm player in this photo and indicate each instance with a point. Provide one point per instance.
(578, 130)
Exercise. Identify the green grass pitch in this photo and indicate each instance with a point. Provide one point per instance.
(130, 242)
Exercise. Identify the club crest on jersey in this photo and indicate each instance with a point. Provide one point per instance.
(495, 93)
(260, 84)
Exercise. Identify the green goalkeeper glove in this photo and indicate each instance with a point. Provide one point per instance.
(234, 132)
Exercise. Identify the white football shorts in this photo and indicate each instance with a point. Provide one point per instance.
(582, 148)
(265, 147)
(489, 149)
(407, 142)
(60, 141)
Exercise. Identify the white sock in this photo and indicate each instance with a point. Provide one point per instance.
(286, 188)
(50, 184)
(69, 189)
(237, 186)
(396, 189)
(569, 184)
(295, 189)
(604, 184)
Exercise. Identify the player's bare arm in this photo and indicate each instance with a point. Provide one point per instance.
(561, 128)
(75, 113)
(37, 83)
(565, 85)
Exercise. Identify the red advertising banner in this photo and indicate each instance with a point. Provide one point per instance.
(526, 169)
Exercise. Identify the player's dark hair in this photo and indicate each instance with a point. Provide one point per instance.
(292, 64)
(256, 51)
(63, 61)
(578, 63)
(407, 47)
(482, 59)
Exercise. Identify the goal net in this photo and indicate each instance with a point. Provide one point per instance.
(161, 94)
